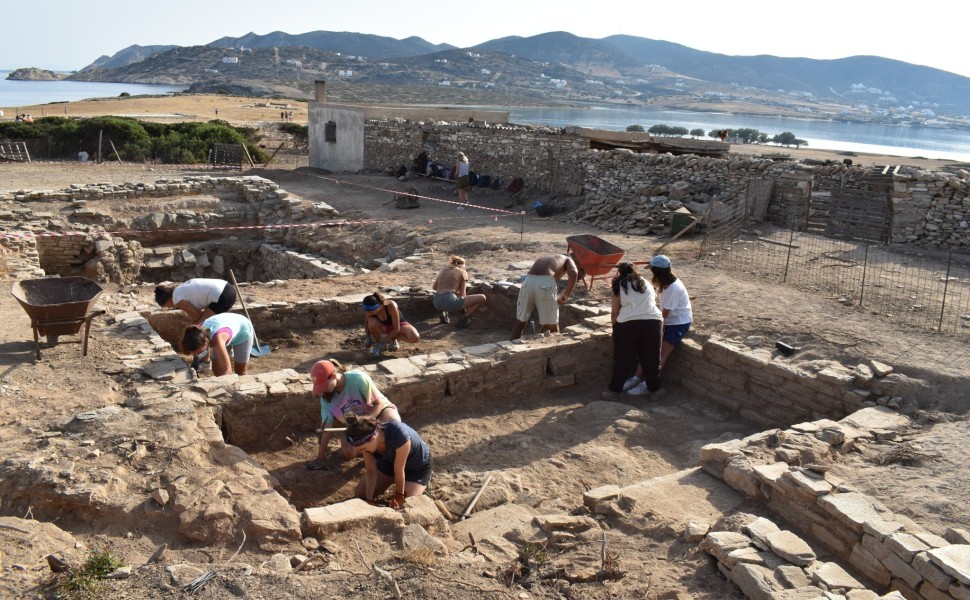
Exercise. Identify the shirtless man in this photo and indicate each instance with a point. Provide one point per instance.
(540, 291)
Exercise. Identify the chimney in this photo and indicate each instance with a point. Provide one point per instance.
(320, 90)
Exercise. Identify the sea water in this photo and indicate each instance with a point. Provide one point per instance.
(14, 94)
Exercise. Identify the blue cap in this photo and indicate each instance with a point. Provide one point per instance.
(661, 262)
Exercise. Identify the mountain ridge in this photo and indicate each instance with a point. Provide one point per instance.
(619, 68)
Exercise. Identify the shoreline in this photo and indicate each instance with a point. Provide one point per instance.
(260, 112)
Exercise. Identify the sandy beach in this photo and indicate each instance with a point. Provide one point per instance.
(258, 112)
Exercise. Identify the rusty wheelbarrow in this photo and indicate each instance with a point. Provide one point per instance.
(59, 306)
(594, 256)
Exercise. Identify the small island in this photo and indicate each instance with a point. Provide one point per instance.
(34, 74)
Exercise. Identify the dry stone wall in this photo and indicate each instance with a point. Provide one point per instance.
(786, 470)
(547, 159)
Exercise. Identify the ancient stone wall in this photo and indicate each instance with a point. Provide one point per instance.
(630, 192)
(785, 470)
(545, 158)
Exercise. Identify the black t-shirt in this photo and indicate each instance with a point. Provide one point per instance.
(396, 435)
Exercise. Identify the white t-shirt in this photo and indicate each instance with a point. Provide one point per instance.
(199, 292)
(676, 300)
(637, 306)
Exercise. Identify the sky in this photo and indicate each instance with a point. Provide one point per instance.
(928, 33)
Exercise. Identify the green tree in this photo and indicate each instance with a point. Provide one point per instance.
(681, 131)
(763, 138)
(696, 133)
(800, 142)
(638, 128)
(785, 138)
(747, 135)
(660, 129)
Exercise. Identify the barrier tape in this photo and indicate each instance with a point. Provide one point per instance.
(432, 198)
(341, 223)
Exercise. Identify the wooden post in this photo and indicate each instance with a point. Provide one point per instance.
(115, 150)
(100, 134)
(274, 154)
(248, 156)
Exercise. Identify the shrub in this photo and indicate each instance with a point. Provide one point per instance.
(84, 581)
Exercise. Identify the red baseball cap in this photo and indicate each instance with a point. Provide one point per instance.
(320, 373)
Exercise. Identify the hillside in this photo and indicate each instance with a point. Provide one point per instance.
(555, 67)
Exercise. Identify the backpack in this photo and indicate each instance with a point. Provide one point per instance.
(484, 181)
(516, 185)
(408, 200)
(472, 179)
(497, 183)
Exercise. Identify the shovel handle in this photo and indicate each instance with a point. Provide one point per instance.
(232, 277)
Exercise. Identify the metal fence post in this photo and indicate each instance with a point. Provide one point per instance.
(865, 265)
(946, 285)
(791, 241)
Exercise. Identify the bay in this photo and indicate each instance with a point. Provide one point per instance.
(926, 142)
(14, 94)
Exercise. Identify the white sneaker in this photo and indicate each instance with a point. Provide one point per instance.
(638, 390)
(632, 383)
(461, 208)
(393, 345)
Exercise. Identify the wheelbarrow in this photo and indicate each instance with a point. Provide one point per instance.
(59, 306)
(594, 256)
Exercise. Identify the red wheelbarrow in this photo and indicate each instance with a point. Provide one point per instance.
(59, 306)
(594, 256)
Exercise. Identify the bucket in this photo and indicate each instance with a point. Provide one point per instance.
(679, 221)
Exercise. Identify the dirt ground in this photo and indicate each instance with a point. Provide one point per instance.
(546, 450)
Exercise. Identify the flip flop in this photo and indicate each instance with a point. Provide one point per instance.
(316, 465)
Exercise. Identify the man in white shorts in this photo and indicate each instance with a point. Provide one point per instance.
(540, 291)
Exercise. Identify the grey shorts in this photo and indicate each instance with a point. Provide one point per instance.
(448, 302)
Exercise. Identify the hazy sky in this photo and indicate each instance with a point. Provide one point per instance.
(70, 34)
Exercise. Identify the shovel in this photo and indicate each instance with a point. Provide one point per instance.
(258, 349)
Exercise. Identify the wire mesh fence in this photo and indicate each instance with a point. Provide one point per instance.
(922, 288)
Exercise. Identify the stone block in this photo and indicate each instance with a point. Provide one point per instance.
(877, 418)
(792, 576)
(869, 565)
(497, 549)
(792, 548)
(744, 555)
(401, 368)
(600, 494)
(902, 570)
(550, 523)
(905, 545)
(759, 529)
(415, 538)
(832, 577)
(931, 573)
(931, 539)
(739, 474)
(496, 521)
(880, 529)
(721, 543)
(954, 560)
(806, 485)
(955, 535)
(421, 510)
(755, 581)
(808, 592)
(960, 591)
(852, 508)
(324, 521)
(861, 595)
(928, 592)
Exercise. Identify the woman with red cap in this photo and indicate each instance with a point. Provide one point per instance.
(341, 394)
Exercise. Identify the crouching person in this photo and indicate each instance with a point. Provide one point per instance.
(393, 454)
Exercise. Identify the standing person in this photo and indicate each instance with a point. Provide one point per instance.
(198, 298)
(637, 331)
(393, 454)
(384, 325)
(450, 287)
(461, 176)
(540, 291)
(228, 337)
(675, 306)
(343, 393)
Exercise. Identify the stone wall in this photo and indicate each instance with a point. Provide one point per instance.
(626, 191)
(764, 387)
(80, 232)
(547, 159)
(786, 470)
